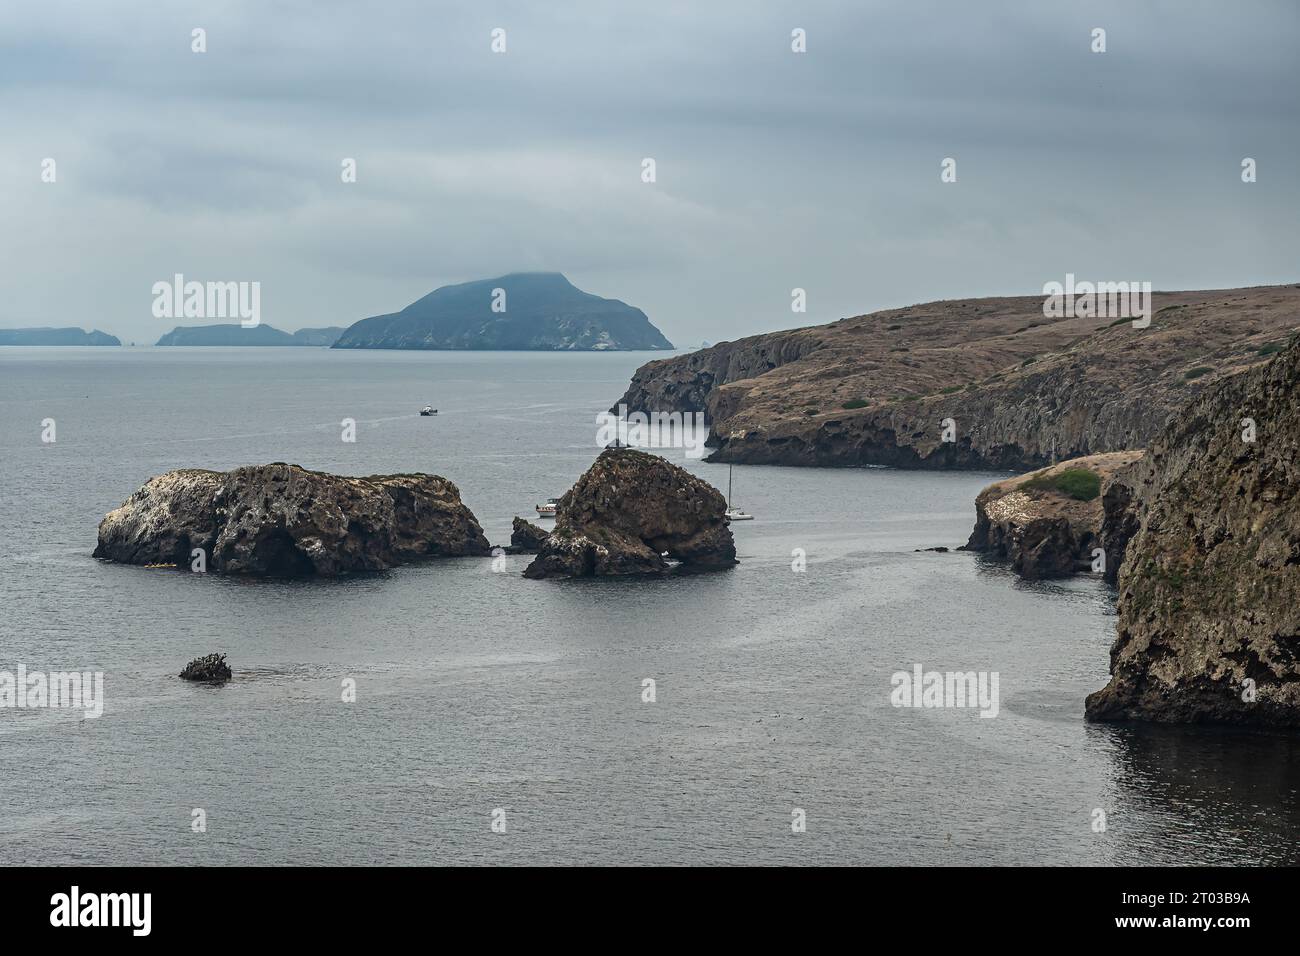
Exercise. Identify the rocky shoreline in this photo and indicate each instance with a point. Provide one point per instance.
(1209, 586)
(1019, 390)
(1049, 523)
(1200, 532)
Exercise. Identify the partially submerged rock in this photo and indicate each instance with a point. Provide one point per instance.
(629, 511)
(1049, 522)
(212, 669)
(526, 537)
(1209, 589)
(284, 521)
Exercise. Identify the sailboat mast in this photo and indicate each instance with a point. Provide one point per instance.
(729, 467)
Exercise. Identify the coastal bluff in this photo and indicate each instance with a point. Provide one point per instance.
(1048, 523)
(1019, 390)
(1208, 624)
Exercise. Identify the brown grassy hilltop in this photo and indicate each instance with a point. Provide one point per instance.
(1023, 390)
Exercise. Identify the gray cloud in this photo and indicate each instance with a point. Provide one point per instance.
(775, 170)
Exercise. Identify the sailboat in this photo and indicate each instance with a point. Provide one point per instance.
(734, 514)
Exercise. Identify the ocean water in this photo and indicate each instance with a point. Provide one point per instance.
(479, 691)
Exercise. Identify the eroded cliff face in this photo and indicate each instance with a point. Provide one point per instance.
(284, 521)
(1043, 531)
(981, 383)
(630, 510)
(1209, 589)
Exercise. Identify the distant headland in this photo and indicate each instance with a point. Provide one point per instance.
(257, 335)
(48, 336)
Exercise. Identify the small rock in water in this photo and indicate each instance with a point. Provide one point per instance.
(212, 669)
(526, 537)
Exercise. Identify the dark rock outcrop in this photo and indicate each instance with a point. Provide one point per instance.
(1022, 390)
(1042, 531)
(284, 521)
(1119, 518)
(630, 510)
(1209, 589)
(212, 669)
(526, 537)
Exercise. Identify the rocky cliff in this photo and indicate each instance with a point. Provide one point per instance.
(629, 511)
(978, 383)
(1209, 588)
(1048, 523)
(284, 521)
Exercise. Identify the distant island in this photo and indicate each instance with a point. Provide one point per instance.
(535, 311)
(257, 335)
(47, 336)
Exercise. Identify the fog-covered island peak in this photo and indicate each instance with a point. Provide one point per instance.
(534, 311)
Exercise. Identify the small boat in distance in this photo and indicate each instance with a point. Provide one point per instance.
(428, 410)
(548, 510)
(734, 514)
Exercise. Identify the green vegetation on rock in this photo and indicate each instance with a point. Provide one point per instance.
(1078, 483)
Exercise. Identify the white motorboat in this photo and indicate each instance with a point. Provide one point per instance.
(548, 510)
(428, 410)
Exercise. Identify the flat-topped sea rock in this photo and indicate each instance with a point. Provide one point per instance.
(1047, 523)
(281, 520)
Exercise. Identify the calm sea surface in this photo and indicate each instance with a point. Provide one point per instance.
(479, 690)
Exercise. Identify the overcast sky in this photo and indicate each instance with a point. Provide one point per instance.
(775, 170)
